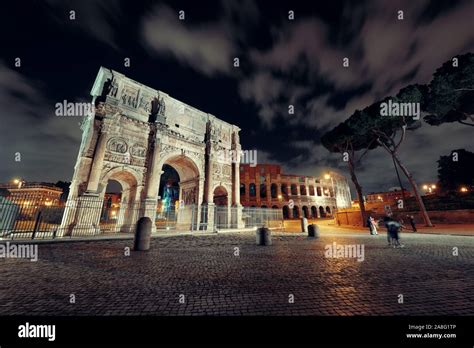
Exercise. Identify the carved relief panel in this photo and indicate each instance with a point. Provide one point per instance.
(129, 96)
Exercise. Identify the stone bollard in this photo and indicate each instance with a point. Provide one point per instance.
(142, 234)
(304, 225)
(264, 236)
(313, 231)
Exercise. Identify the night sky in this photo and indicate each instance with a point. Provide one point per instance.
(282, 62)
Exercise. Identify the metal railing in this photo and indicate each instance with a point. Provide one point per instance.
(92, 216)
(258, 217)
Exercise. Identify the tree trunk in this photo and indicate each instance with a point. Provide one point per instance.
(399, 180)
(359, 191)
(415, 190)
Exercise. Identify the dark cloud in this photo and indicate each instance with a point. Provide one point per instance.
(385, 54)
(99, 19)
(47, 144)
(208, 47)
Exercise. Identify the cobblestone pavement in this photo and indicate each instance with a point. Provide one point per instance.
(260, 281)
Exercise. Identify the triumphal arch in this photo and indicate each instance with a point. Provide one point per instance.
(134, 132)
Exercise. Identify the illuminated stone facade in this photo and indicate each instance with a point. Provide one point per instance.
(134, 132)
(266, 186)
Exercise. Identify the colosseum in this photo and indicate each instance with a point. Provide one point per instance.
(265, 186)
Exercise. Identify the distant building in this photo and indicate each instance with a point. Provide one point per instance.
(388, 197)
(265, 186)
(34, 193)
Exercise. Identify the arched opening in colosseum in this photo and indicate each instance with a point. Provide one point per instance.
(322, 213)
(242, 189)
(294, 189)
(263, 191)
(252, 190)
(306, 212)
(286, 212)
(274, 190)
(303, 190)
(296, 212)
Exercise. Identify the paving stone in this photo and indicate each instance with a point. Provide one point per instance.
(258, 282)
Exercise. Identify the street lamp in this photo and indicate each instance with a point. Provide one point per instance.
(464, 189)
(328, 176)
(18, 182)
(429, 188)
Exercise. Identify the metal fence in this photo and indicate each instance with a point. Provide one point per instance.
(258, 217)
(25, 218)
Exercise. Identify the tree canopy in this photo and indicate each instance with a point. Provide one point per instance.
(456, 170)
(451, 92)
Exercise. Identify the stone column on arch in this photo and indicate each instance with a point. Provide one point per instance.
(152, 185)
(197, 206)
(237, 210)
(89, 205)
(208, 203)
(98, 161)
(136, 208)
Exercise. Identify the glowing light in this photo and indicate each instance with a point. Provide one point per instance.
(327, 176)
(433, 186)
(113, 213)
(279, 196)
(16, 181)
(425, 187)
(464, 189)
